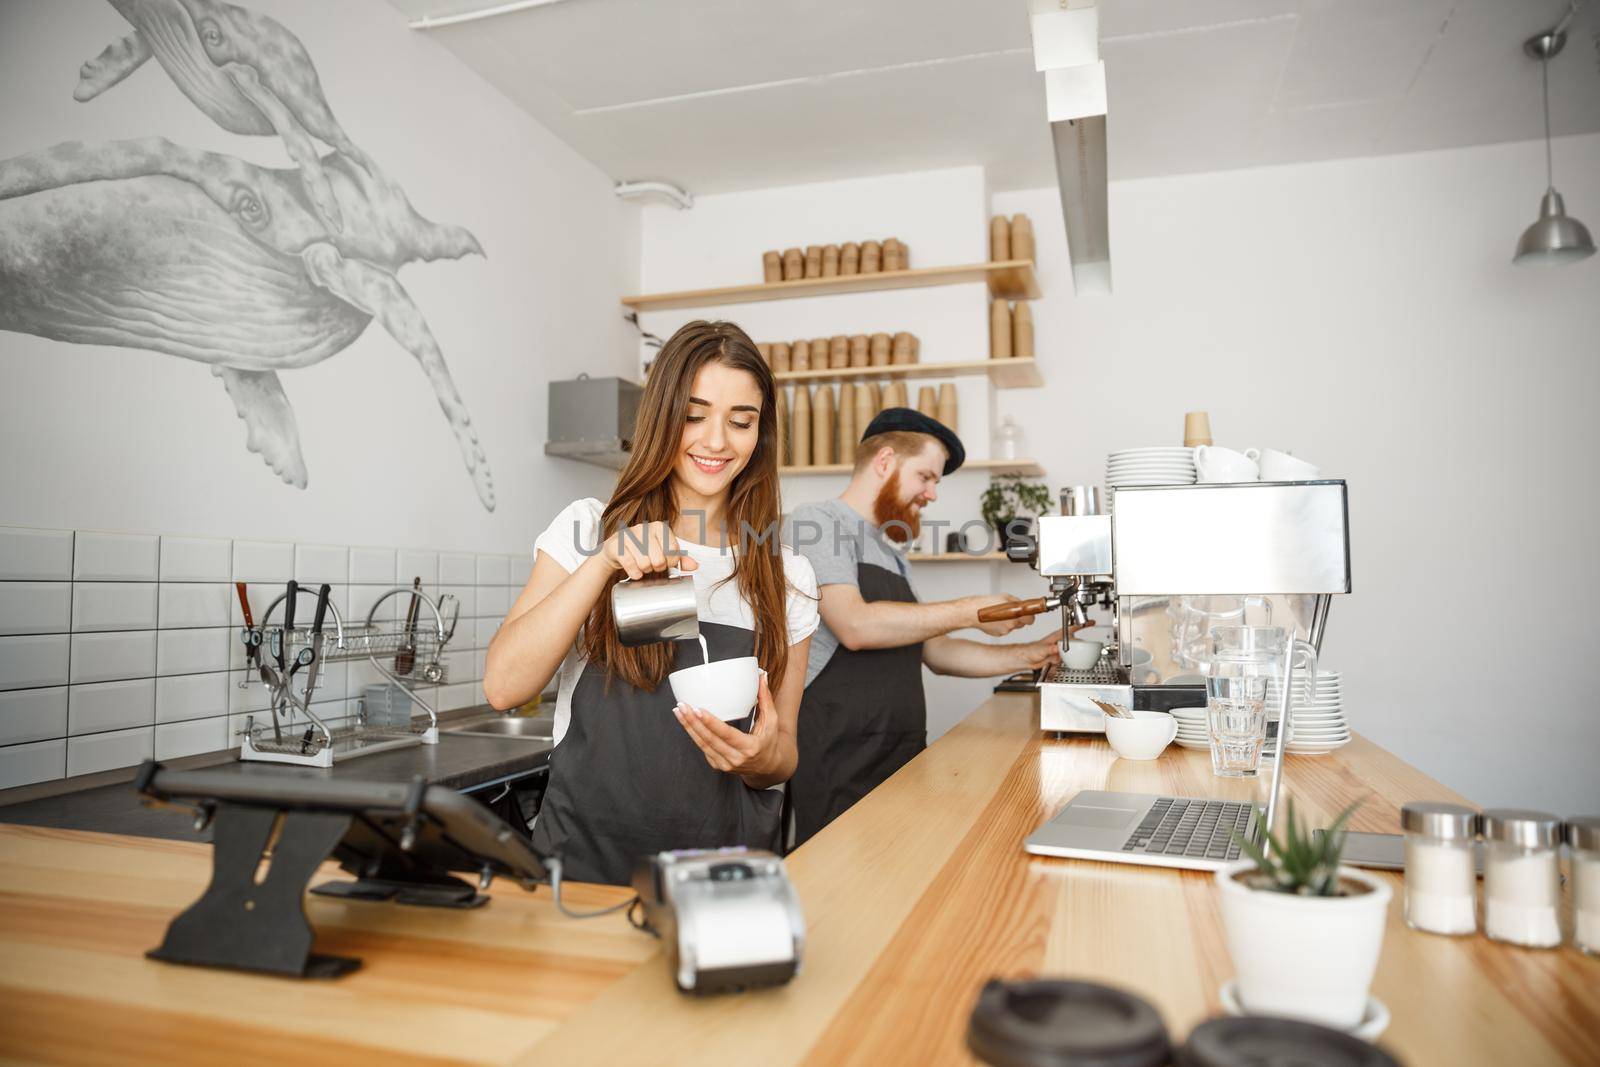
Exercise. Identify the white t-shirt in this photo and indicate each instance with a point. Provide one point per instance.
(574, 535)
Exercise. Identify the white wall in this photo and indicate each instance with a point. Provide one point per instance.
(124, 439)
(1365, 314)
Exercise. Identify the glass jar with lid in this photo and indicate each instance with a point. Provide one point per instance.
(1522, 879)
(1441, 868)
(1583, 838)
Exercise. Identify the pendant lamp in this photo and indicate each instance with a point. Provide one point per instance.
(1557, 237)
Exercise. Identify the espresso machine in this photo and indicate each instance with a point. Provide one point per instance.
(1287, 541)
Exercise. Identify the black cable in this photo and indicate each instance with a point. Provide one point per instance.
(553, 865)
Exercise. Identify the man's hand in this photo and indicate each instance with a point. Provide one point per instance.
(1035, 654)
(1004, 626)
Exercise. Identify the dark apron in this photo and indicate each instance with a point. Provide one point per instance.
(627, 781)
(861, 719)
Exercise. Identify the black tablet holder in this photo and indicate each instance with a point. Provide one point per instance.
(251, 916)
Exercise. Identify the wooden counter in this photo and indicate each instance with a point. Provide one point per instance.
(912, 900)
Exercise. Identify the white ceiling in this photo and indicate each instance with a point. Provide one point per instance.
(718, 95)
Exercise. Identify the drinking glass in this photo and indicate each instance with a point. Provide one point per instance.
(1244, 661)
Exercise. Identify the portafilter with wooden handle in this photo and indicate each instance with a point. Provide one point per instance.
(1018, 609)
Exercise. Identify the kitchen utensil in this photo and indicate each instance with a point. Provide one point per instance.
(871, 257)
(830, 261)
(1213, 463)
(1082, 655)
(822, 427)
(999, 330)
(1282, 467)
(1143, 735)
(838, 351)
(312, 653)
(1081, 500)
(725, 687)
(794, 264)
(781, 409)
(849, 258)
(406, 659)
(879, 349)
(1021, 237)
(1244, 660)
(999, 239)
(894, 257)
(800, 443)
(1196, 428)
(945, 409)
(813, 261)
(249, 636)
(901, 351)
(658, 608)
(1116, 711)
(860, 349)
(1022, 330)
(771, 267)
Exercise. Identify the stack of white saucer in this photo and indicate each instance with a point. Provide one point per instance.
(1192, 729)
(1150, 466)
(1318, 726)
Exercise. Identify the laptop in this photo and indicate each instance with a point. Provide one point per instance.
(1155, 831)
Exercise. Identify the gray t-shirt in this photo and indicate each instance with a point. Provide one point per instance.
(836, 538)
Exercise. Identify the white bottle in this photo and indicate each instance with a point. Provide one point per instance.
(1441, 872)
(1521, 881)
(1008, 440)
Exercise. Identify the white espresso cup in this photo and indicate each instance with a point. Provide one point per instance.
(1282, 467)
(725, 687)
(1212, 463)
(1082, 655)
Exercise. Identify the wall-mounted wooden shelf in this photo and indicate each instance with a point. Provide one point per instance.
(1029, 467)
(1003, 373)
(1009, 279)
(956, 557)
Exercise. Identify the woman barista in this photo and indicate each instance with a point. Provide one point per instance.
(632, 774)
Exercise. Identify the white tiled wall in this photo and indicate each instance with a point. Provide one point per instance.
(115, 647)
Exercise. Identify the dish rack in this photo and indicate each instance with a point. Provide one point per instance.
(313, 742)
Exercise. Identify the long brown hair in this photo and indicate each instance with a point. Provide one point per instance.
(644, 494)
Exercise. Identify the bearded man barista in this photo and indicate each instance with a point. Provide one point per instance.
(863, 715)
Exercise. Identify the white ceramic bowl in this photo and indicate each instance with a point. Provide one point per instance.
(1145, 736)
(1082, 655)
(725, 687)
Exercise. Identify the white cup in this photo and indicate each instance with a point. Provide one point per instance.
(1145, 736)
(1282, 467)
(1083, 655)
(1213, 463)
(725, 687)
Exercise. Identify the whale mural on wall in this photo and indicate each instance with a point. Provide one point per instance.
(253, 270)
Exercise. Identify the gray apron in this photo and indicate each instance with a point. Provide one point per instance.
(861, 719)
(627, 781)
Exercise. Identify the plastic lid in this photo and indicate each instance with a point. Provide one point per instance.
(1583, 831)
(1433, 818)
(1519, 826)
(1259, 1041)
(1058, 1023)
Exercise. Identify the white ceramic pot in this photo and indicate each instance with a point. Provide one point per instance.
(1305, 957)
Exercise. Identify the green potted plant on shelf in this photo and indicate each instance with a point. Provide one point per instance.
(1303, 931)
(1010, 497)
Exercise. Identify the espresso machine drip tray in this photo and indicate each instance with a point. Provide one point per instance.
(1102, 673)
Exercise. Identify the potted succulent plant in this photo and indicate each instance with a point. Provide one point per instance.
(1010, 497)
(1304, 932)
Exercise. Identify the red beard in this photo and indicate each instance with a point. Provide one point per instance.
(898, 519)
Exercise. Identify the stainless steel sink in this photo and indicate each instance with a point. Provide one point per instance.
(531, 729)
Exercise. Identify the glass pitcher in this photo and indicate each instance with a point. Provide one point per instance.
(1247, 661)
(1194, 617)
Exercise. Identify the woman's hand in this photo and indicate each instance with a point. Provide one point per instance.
(749, 755)
(648, 548)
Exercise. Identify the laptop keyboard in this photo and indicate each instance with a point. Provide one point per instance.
(1179, 827)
